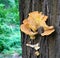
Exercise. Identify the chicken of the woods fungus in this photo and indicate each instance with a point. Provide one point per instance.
(34, 21)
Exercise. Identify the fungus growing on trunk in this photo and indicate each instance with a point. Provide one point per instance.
(34, 21)
(35, 46)
(37, 53)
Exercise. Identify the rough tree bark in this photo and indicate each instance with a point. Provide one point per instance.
(50, 45)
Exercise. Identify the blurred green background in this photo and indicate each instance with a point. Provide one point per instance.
(10, 38)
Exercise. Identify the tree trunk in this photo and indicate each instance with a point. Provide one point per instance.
(50, 45)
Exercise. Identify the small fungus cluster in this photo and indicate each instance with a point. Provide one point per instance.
(36, 47)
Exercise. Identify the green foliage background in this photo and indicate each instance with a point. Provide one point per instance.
(10, 38)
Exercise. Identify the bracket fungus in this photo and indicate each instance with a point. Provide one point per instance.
(37, 53)
(34, 21)
(35, 46)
